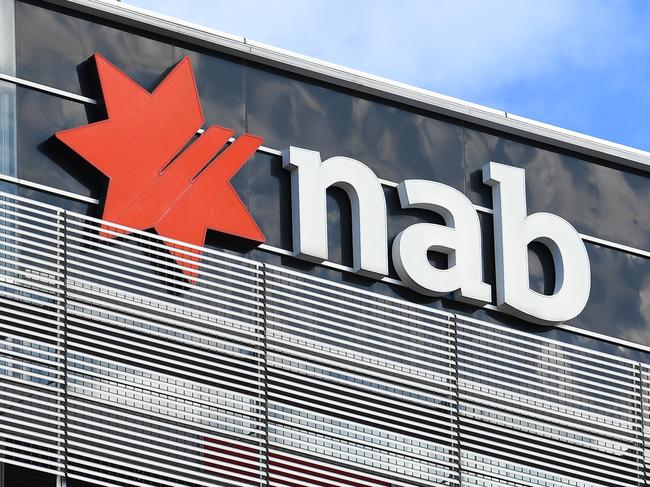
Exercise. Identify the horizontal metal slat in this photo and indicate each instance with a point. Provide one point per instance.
(586, 424)
(432, 453)
(343, 379)
(391, 472)
(513, 334)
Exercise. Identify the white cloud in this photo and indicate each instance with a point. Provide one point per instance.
(579, 64)
(450, 46)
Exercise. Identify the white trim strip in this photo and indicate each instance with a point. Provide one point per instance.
(48, 189)
(614, 245)
(47, 89)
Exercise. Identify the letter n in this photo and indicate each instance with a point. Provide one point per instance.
(310, 179)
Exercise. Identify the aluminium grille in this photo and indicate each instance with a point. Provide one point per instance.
(115, 369)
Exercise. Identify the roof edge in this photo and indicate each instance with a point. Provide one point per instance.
(360, 81)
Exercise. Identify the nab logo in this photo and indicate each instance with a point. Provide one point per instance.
(162, 174)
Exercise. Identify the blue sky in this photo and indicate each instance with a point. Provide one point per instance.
(578, 64)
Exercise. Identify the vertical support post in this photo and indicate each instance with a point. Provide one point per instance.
(265, 392)
(453, 328)
(62, 332)
(644, 467)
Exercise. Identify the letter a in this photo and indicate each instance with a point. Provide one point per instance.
(460, 239)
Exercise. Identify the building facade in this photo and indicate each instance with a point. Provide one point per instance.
(187, 300)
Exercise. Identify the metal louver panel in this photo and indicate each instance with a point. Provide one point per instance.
(644, 372)
(360, 381)
(32, 368)
(115, 369)
(544, 411)
(158, 369)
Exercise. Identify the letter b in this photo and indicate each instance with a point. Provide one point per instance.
(513, 231)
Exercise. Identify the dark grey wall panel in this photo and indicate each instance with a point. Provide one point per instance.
(397, 144)
(42, 158)
(54, 48)
(599, 198)
(51, 47)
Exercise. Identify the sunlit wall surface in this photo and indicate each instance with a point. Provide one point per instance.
(115, 371)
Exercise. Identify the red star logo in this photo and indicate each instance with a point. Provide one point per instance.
(160, 176)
